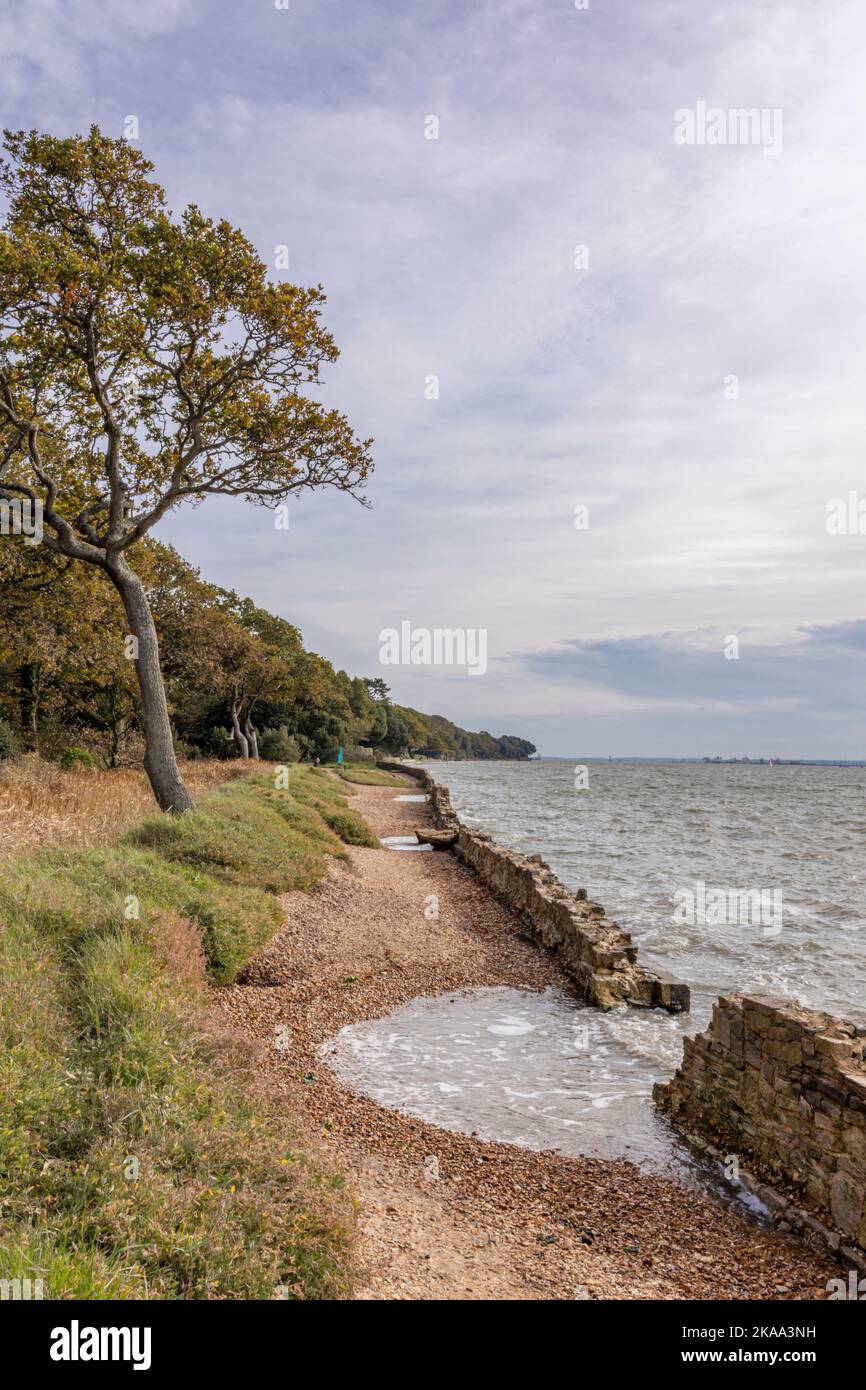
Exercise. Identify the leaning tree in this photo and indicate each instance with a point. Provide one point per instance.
(147, 361)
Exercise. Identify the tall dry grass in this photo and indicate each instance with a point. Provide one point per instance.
(41, 804)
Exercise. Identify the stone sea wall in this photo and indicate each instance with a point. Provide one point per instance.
(784, 1089)
(597, 954)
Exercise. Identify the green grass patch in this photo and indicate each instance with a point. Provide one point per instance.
(70, 895)
(350, 827)
(246, 832)
(368, 776)
(322, 794)
(136, 1158)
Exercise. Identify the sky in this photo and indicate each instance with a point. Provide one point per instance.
(693, 377)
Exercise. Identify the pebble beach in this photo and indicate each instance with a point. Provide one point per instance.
(446, 1215)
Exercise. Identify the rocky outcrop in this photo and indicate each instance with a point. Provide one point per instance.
(784, 1089)
(597, 954)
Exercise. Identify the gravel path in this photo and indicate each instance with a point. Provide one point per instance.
(500, 1222)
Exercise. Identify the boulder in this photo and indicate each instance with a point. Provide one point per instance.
(439, 839)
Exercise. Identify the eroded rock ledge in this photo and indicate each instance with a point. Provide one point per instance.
(597, 954)
(784, 1089)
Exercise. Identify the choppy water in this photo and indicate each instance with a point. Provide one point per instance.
(539, 1070)
(642, 831)
(507, 1064)
(504, 1063)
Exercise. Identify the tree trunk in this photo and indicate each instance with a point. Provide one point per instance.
(252, 738)
(114, 742)
(237, 733)
(31, 688)
(160, 762)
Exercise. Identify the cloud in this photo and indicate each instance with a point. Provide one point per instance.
(817, 673)
(51, 48)
(604, 386)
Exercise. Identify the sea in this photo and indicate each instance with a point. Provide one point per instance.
(732, 876)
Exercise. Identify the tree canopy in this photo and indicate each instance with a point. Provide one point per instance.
(147, 360)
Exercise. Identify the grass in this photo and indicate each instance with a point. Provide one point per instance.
(368, 776)
(137, 1159)
(40, 803)
(323, 795)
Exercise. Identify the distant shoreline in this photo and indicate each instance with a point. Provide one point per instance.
(664, 758)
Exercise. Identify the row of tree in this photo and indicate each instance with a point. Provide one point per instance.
(239, 680)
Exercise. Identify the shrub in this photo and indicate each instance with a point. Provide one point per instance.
(9, 745)
(356, 753)
(73, 757)
(278, 746)
(217, 743)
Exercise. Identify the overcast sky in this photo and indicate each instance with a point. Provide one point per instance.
(607, 386)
